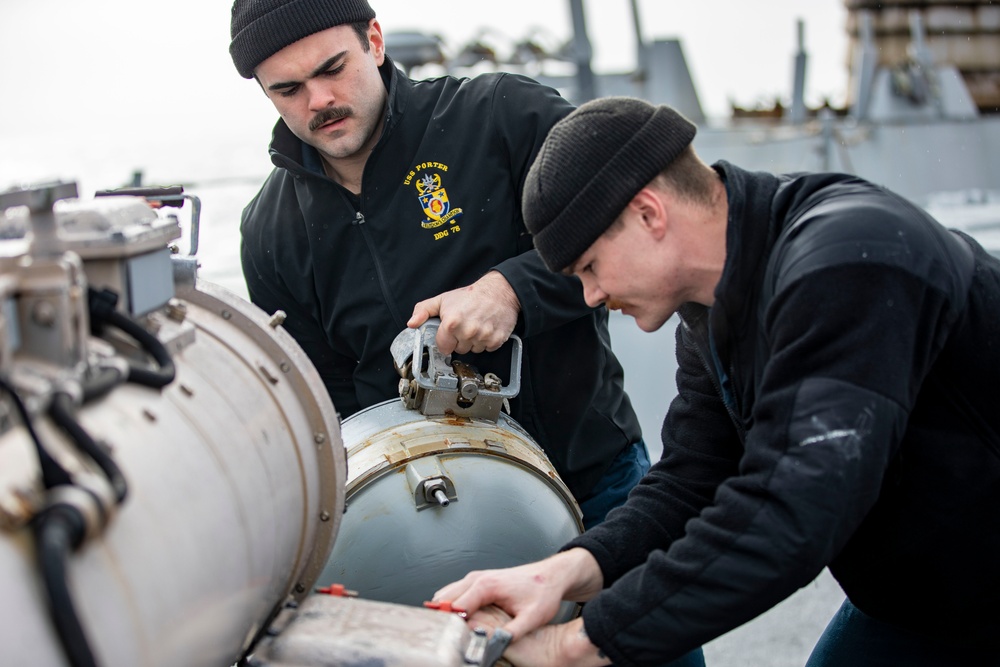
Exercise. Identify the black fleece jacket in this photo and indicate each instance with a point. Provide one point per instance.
(440, 206)
(847, 418)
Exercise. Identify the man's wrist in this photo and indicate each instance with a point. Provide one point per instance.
(503, 289)
(588, 580)
(579, 649)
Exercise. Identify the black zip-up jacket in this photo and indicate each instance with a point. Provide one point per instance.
(440, 206)
(849, 417)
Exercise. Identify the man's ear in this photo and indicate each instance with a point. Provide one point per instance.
(376, 42)
(650, 211)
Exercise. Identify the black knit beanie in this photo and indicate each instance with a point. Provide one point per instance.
(261, 28)
(591, 165)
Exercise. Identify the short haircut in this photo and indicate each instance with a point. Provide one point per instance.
(689, 178)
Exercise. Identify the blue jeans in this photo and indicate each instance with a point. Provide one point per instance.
(856, 639)
(610, 492)
(693, 659)
(612, 489)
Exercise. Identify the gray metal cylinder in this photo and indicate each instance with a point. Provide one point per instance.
(506, 505)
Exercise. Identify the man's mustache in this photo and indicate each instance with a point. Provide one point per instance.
(614, 304)
(328, 115)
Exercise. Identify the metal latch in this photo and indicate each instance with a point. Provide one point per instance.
(435, 385)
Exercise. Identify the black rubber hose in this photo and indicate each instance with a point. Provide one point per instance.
(102, 311)
(53, 474)
(61, 411)
(58, 531)
(151, 344)
(106, 379)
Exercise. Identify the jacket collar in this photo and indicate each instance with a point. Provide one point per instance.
(751, 230)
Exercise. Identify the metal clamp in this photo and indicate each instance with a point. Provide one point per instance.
(435, 385)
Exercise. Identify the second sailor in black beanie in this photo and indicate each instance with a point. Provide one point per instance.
(837, 357)
(619, 173)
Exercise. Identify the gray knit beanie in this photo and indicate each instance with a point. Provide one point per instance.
(261, 28)
(591, 165)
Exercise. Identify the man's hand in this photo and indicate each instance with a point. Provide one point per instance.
(475, 318)
(530, 594)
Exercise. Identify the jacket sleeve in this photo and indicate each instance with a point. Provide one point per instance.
(700, 451)
(270, 292)
(523, 113)
(847, 349)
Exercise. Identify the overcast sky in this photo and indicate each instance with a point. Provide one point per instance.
(86, 80)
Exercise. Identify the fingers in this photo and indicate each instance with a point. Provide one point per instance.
(423, 311)
(476, 594)
(489, 617)
(463, 336)
(470, 320)
(447, 342)
(477, 590)
(454, 590)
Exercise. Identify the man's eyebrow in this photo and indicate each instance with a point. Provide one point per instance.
(324, 66)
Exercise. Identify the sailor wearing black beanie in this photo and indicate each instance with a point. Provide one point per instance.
(591, 165)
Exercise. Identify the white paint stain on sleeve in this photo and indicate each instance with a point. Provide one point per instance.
(836, 434)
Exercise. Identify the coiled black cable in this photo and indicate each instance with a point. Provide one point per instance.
(61, 411)
(53, 474)
(155, 378)
(60, 529)
(102, 311)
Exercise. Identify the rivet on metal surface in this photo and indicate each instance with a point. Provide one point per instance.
(277, 319)
(299, 588)
(285, 367)
(324, 516)
(226, 315)
(319, 438)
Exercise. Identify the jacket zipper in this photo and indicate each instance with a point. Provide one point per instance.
(359, 221)
(718, 389)
(700, 341)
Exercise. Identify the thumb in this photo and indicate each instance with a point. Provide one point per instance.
(423, 311)
(522, 624)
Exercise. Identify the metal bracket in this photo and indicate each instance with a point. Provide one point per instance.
(430, 483)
